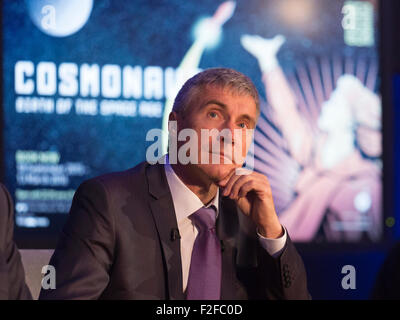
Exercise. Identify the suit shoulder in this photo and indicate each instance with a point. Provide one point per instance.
(116, 182)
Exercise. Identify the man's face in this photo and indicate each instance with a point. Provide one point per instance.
(218, 108)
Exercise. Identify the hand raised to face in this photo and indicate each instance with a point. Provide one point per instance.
(252, 193)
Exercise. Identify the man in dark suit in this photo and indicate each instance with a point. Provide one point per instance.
(176, 230)
(12, 275)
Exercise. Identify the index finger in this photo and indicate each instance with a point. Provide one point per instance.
(224, 181)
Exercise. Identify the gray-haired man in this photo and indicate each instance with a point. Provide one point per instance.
(197, 230)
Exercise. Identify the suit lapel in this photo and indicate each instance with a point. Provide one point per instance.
(227, 224)
(237, 233)
(163, 212)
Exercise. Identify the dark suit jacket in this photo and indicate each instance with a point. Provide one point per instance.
(118, 243)
(387, 282)
(12, 275)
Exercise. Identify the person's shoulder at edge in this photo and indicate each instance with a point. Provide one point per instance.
(4, 198)
(4, 214)
(11, 267)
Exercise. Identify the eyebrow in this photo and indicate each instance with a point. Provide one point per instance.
(219, 103)
(248, 118)
(224, 106)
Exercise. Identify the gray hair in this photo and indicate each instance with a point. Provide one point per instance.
(219, 77)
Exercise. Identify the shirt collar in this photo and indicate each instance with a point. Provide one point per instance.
(185, 200)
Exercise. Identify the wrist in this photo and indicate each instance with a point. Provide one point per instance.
(271, 232)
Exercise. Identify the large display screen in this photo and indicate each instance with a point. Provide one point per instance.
(84, 81)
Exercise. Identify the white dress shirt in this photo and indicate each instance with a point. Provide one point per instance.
(185, 203)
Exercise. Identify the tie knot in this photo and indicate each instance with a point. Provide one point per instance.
(204, 218)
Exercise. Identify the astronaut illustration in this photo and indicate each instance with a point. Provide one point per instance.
(207, 35)
(336, 190)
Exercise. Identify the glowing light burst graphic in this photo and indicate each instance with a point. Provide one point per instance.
(208, 30)
(313, 84)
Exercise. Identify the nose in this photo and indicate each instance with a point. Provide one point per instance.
(227, 133)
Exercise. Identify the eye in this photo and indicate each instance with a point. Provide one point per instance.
(242, 125)
(212, 114)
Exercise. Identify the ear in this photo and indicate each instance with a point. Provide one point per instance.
(173, 116)
(173, 122)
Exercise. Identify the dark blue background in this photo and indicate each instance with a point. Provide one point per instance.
(117, 143)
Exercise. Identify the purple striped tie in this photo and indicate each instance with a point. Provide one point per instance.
(204, 281)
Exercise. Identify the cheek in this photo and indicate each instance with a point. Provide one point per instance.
(243, 142)
(248, 141)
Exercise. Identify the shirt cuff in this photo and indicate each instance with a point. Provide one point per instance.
(273, 246)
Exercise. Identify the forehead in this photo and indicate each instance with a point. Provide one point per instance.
(228, 96)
